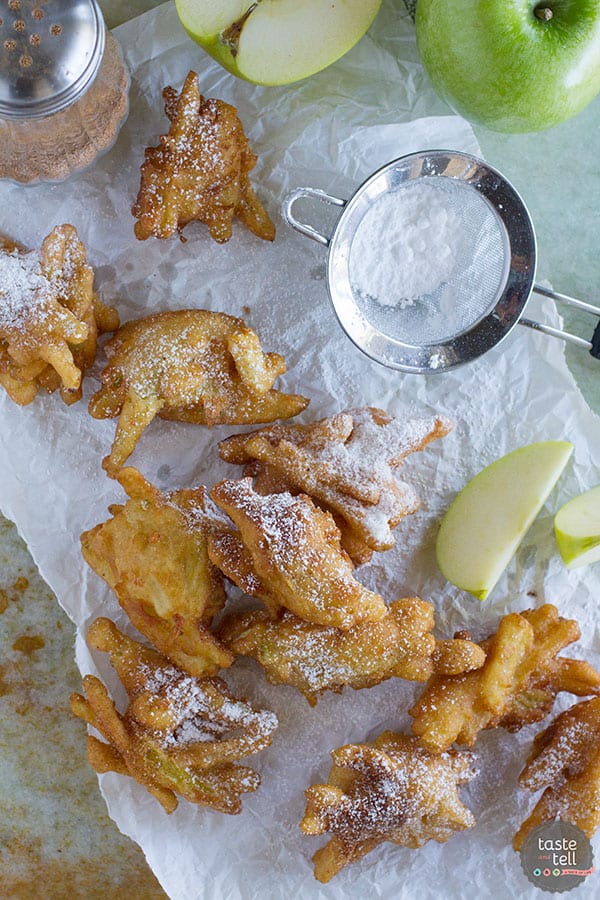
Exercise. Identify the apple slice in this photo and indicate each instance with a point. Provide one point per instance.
(276, 41)
(577, 529)
(488, 520)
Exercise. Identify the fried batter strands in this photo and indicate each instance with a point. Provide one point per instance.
(190, 366)
(316, 658)
(517, 684)
(173, 737)
(200, 171)
(347, 464)
(153, 554)
(565, 760)
(392, 789)
(293, 549)
(50, 317)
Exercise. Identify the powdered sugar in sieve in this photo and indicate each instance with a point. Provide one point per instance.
(428, 260)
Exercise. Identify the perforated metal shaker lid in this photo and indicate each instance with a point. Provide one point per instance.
(50, 53)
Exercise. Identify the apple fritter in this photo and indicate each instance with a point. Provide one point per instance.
(316, 658)
(9, 245)
(50, 317)
(516, 686)
(153, 554)
(200, 171)
(392, 789)
(191, 365)
(179, 735)
(288, 554)
(347, 464)
(565, 760)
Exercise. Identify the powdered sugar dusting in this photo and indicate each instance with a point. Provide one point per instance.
(58, 246)
(373, 450)
(25, 292)
(289, 529)
(158, 357)
(308, 654)
(378, 807)
(399, 792)
(296, 551)
(347, 462)
(285, 523)
(199, 709)
(573, 747)
(406, 245)
(190, 159)
(198, 513)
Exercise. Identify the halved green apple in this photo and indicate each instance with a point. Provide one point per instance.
(577, 529)
(276, 41)
(485, 524)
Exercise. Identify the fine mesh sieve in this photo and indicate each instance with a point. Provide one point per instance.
(490, 277)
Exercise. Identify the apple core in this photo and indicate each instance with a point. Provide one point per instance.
(275, 42)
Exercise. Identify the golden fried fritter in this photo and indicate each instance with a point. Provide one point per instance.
(191, 365)
(50, 317)
(347, 464)
(153, 554)
(200, 171)
(566, 761)
(516, 685)
(179, 735)
(8, 245)
(288, 554)
(315, 658)
(392, 789)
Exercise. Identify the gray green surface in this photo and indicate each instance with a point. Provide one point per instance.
(56, 839)
(116, 12)
(558, 175)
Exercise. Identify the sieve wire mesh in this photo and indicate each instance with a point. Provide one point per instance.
(476, 277)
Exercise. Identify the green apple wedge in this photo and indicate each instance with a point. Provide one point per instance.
(577, 529)
(276, 41)
(487, 521)
(512, 65)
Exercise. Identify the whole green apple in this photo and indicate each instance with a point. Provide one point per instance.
(512, 65)
(276, 41)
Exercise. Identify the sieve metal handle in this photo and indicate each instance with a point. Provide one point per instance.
(301, 227)
(593, 346)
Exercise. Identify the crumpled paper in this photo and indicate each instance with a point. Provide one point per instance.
(330, 131)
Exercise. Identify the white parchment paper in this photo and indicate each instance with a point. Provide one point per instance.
(329, 132)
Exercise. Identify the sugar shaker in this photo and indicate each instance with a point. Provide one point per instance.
(63, 88)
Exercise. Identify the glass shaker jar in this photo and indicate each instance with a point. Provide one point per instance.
(63, 88)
